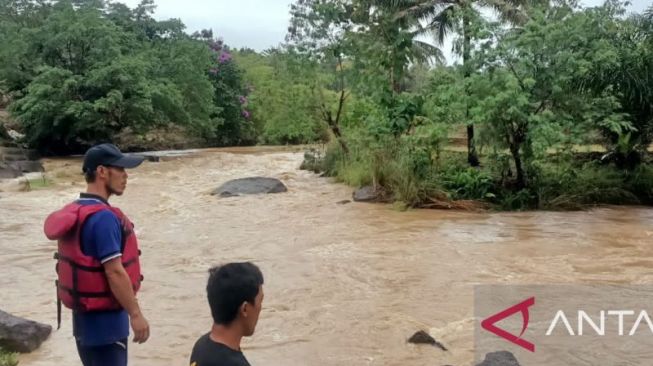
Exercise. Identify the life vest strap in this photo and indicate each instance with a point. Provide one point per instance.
(56, 283)
(78, 294)
(74, 264)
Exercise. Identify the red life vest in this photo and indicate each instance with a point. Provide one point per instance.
(82, 284)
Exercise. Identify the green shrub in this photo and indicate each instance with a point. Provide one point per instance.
(8, 358)
(469, 183)
(640, 183)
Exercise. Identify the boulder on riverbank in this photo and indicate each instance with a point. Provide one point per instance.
(15, 161)
(367, 194)
(8, 172)
(21, 335)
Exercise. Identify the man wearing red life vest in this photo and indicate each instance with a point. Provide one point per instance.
(98, 265)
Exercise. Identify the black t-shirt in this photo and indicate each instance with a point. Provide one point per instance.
(209, 353)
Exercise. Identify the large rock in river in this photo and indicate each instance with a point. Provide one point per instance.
(421, 337)
(252, 185)
(501, 358)
(21, 335)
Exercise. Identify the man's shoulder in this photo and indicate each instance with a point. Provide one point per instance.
(98, 210)
(201, 340)
(103, 218)
(202, 346)
(209, 353)
(102, 235)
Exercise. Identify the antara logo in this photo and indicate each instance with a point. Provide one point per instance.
(522, 307)
(599, 326)
(628, 323)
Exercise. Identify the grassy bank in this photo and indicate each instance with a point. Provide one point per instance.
(418, 178)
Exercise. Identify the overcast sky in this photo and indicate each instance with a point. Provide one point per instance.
(257, 24)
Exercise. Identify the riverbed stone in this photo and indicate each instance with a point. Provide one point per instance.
(21, 335)
(421, 337)
(14, 161)
(250, 185)
(27, 166)
(8, 172)
(366, 194)
(500, 358)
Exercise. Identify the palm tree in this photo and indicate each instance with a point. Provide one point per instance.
(397, 36)
(416, 52)
(631, 81)
(443, 17)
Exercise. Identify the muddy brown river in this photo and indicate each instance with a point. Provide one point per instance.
(345, 284)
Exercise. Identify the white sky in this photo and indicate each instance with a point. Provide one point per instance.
(257, 24)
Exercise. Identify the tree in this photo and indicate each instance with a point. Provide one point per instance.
(86, 78)
(462, 16)
(364, 30)
(17, 59)
(24, 13)
(281, 95)
(390, 42)
(230, 96)
(365, 47)
(319, 30)
(626, 73)
(526, 96)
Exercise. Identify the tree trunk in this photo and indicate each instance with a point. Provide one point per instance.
(4, 135)
(521, 177)
(472, 157)
(395, 81)
(336, 132)
(331, 121)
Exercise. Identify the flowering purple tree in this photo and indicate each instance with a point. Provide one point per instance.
(230, 97)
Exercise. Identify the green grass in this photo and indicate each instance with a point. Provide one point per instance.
(356, 173)
(7, 358)
(411, 178)
(39, 183)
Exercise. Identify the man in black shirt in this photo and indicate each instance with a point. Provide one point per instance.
(235, 293)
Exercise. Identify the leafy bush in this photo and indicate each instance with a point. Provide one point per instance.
(469, 183)
(7, 358)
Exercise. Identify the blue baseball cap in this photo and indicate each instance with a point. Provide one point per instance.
(109, 155)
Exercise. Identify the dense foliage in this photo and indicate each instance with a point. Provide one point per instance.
(550, 105)
(559, 96)
(79, 72)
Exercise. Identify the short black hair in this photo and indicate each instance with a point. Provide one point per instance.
(90, 176)
(229, 286)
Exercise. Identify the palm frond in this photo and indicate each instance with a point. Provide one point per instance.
(425, 53)
(442, 24)
(424, 9)
(509, 11)
(396, 4)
